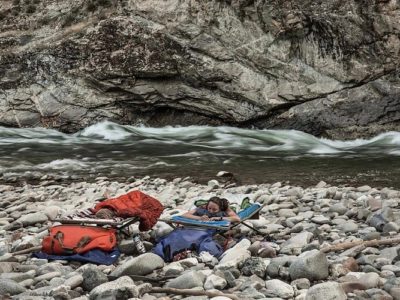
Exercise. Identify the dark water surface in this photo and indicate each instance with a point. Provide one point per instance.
(254, 156)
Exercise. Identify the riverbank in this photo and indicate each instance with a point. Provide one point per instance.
(299, 220)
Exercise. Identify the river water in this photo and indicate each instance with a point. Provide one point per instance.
(254, 156)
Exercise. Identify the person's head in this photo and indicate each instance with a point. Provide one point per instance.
(216, 204)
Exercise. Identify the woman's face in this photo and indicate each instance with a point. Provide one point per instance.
(213, 207)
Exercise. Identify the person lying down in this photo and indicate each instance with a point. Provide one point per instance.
(216, 209)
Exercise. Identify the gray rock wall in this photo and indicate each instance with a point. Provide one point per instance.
(325, 67)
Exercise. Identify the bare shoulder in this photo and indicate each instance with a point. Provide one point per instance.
(230, 212)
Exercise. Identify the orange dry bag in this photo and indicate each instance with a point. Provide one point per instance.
(71, 239)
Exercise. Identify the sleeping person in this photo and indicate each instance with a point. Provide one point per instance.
(216, 209)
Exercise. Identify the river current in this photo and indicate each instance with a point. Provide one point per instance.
(253, 156)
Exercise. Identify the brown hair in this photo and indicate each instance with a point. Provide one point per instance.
(221, 202)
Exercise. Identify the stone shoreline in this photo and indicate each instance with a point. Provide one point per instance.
(283, 263)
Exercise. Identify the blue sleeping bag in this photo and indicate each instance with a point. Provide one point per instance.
(182, 239)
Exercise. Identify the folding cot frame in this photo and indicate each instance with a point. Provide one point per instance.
(118, 225)
(250, 213)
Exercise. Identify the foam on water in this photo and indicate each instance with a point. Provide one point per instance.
(202, 138)
(63, 164)
(107, 131)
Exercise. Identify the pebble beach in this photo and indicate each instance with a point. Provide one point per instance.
(284, 260)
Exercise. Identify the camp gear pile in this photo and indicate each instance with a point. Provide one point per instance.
(95, 243)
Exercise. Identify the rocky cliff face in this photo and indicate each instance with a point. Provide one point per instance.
(325, 67)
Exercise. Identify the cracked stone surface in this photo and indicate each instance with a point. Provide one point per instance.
(329, 68)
